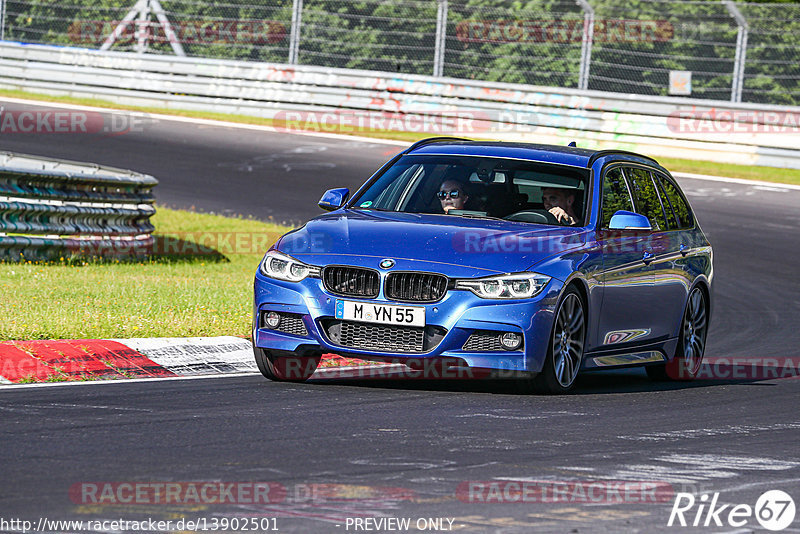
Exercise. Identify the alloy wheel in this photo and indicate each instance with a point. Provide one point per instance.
(695, 327)
(568, 338)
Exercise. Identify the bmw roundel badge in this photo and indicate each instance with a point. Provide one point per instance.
(387, 264)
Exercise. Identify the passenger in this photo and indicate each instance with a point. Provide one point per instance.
(452, 196)
(559, 202)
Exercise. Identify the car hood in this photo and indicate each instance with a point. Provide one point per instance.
(461, 246)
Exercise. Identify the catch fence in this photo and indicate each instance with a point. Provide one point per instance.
(717, 50)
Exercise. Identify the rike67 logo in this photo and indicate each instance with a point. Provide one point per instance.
(774, 510)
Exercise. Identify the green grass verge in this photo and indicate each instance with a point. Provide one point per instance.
(750, 172)
(767, 174)
(165, 296)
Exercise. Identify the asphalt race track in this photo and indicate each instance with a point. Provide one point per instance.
(408, 449)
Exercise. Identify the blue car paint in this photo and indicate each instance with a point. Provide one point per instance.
(622, 292)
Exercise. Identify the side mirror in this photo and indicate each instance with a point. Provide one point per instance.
(627, 220)
(333, 199)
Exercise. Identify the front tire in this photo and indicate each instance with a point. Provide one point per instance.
(691, 345)
(285, 368)
(565, 349)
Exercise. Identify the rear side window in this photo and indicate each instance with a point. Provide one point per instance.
(645, 197)
(679, 206)
(615, 196)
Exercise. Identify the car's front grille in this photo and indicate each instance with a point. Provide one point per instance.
(351, 281)
(415, 287)
(383, 338)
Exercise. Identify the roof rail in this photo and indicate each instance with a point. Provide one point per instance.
(431, 140)
(601, 153)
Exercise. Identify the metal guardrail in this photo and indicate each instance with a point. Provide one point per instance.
(750, 133)
(52, 208)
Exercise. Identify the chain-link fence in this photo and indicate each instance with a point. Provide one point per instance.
(720, 50)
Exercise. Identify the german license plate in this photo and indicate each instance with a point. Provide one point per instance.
(380, 313)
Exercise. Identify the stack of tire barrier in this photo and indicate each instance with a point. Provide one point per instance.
(51, 209)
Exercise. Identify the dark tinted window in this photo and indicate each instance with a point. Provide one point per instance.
(615, 196)
(679, 206)
(645, 197)
(672, 219)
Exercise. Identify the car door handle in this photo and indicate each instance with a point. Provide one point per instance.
(684, 250)
(647, 257)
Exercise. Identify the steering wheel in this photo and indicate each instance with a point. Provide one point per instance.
(534, 216)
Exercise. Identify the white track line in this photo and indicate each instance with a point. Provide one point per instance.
(742, 181)
(208, 122)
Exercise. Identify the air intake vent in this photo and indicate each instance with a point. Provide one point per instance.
(415, 287)
(351, 281)
(383, 338)
(290, 323)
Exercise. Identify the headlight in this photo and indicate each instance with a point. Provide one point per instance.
(508, 286)
(283, 267)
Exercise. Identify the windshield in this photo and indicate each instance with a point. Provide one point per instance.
(474, 186)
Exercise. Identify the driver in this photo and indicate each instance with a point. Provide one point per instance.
(559, 202)
(452, 196)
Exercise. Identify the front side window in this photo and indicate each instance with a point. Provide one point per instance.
(475, 186)
(645, 197)
(615, 196)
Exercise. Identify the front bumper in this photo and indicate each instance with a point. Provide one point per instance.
(460, 313)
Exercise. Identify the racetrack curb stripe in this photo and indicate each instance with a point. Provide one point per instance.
(197, 356)
(82, 359)
(129, 361)
(16, 364)
(72, 359)
(78, 359)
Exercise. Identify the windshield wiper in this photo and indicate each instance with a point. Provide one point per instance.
(474, 216)
(369, 208)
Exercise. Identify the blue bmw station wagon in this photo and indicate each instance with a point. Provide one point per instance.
(540, 261)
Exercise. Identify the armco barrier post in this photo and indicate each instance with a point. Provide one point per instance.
(586, 44)
(441, 35)
(294, 33)
(2, 20)
(741, 51)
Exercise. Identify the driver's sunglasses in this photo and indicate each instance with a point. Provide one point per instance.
(453, 194)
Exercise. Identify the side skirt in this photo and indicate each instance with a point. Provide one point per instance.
(631, 356)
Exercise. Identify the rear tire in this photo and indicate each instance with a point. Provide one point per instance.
(691, 344)
(285, 368)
